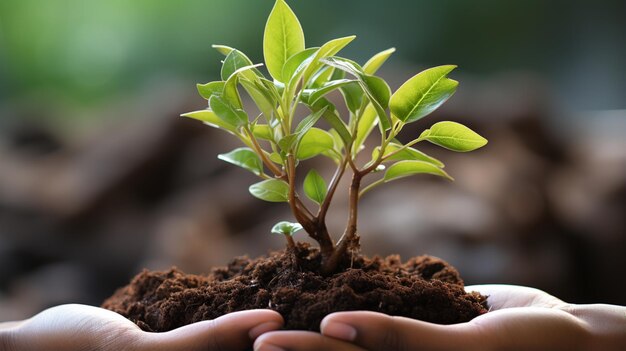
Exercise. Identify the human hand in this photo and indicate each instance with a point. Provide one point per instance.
(520, 318)
(81, 327)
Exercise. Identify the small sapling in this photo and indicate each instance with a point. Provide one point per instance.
(275, 139)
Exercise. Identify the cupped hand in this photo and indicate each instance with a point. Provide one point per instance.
(81, 327)
(520, 318)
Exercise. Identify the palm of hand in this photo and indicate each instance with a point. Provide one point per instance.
(525, 319)
(81, 327)
(72, 327)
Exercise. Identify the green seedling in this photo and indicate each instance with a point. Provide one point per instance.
(276, 139)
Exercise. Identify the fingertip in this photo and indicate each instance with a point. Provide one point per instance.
(269, 347)
(338, 330)
(264, 343)
(258, 313)
(254, 317)
(263, 328)
(349, 317)
(261, 321)
(347, 325)
(233, 331)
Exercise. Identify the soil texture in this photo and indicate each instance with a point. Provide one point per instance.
(424, 288)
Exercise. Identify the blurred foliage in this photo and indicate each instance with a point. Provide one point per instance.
(91, 51)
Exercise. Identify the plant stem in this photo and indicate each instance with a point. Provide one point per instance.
(332, 188)
(303, 207)
(327, 247)
(315, 227)
(300, 211)
(290, 243)
(349, 239)
(272, 167)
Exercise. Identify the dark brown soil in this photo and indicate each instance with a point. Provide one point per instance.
(424, 288)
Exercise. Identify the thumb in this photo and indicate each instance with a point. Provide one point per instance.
(377, 331)
(233, 331)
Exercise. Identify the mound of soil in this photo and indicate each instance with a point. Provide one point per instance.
(424, 288)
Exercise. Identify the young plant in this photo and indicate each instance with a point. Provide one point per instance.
(276, 140)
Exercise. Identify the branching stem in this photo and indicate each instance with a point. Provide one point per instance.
(339, 172)
(302, 214)
(267, 162)
(349, 239)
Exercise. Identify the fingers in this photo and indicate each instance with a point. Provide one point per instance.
(234, 331)
(301, 341)
(527, 328)
(377, 331)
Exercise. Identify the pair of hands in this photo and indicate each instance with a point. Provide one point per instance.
(520, 319)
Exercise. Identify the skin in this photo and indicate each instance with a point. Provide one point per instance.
(520, 318)
(80, 327)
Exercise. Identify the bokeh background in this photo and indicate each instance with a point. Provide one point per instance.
(99, 177)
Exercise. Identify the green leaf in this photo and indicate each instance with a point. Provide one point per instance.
(272, 190)
(408, 153)
(209, 89)
(333, 119)
(283, 38)
(333, 156)
(260, 95)
(335, 153)
(321, 77)
(379, 89)
(271, 88)
(423, 93)
(279, 87)
(337, 74)
(230, 93)
(374, 87)
(315, 187)
(316, 94)
(339, 145)
(344, 64)
(276, 158)
(329, 49)
(353, 95)
(210, 118)
(296, 63)
(286, 228)
(222, 49)
(234, 61)
(310, 121)
(287, 142)
(364, 128)
(407, 168)
(313, 143)
(227, 112)
(373, 64)
(453, 136)
(245, 158)
(378, 93)
(262, 131)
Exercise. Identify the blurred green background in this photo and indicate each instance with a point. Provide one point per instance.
(99, 177)
(89, 52)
